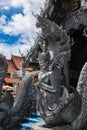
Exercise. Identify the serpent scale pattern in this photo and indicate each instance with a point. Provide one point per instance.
(81, 120)
(3, 70)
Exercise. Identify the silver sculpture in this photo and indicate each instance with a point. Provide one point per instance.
(55, 103)
(59, 21)
(53, 107)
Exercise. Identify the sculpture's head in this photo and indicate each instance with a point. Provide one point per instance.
(43, 54)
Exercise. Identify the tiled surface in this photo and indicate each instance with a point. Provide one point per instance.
(28, 122)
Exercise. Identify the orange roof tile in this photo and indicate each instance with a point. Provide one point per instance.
(12, 80)
(17, 60)
(11, 67)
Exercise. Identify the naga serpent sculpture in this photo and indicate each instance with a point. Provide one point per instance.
(54, 108)
(14, 109)
(63, 26)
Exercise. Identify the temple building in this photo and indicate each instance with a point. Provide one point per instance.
(14, 73)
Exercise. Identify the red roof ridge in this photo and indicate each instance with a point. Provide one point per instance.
(8, 59)
(16, 56)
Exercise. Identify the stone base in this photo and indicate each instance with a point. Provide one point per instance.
(42, 126)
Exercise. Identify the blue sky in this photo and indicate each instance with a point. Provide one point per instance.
(17, 25)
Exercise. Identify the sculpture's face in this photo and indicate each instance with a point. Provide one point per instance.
(43, 56)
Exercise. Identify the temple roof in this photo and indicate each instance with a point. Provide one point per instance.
(11, 67)
(15, 65)
(17, 60)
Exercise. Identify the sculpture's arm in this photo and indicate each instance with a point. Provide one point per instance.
(45, 75)
(46, 87)
(43, 84)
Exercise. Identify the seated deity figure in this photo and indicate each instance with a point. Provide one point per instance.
(45, 58)
(49, 81)
(50, 67)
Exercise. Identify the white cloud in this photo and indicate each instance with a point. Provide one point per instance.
(22, 3)
(28, 5)
(23, 24)
(4, 3)
(2, 20)
(20, 24)
(17, 3)
(14, 49)
(5, 8)
(26, 40)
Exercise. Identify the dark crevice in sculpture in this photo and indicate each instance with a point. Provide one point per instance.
(78, 41)
(58, 10)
